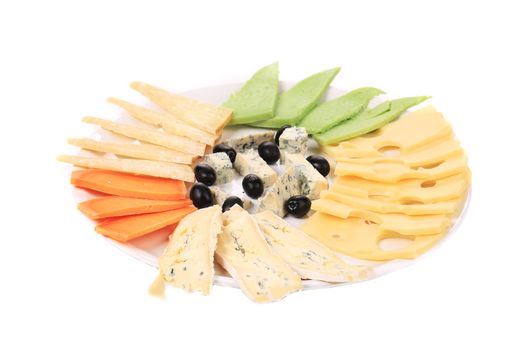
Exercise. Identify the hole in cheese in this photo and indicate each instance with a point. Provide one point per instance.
(409, 201)
(391, 240)
(428, 166)
(390, 151)
(428, 183)
(336, 236)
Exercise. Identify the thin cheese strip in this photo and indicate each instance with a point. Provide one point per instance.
(309, 258)
(135, 166)
(400, 223)
(187, 261)
(166, 121)
(201, 115)
(140, 151)
(242, 250)
(178, 143)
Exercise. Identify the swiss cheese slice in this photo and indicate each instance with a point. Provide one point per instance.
(407, 134)
(242, 250)
(361, 239)
(411, 190)
(401, 223)
(187, 261)
(309, 258)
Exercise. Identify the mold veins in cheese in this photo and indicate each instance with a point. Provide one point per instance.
(187, 261)
(309, 258)
(242, 250)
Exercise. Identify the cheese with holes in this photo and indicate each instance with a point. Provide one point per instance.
(275, 198)
(361, 239)
(221, 163)
(219, 196)
(310, 180)
(411, 190)
(251, 163)
(401, 223)
(309, 258)
(414, 131)
(392, 170)
(242, 250)
(378, 206)
(187, 261)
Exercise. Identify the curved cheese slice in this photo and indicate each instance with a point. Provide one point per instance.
(187, 261)
(357, 238)
(419, 190)
(309, 258)
(407, 134)
(403, 224)
(242, 250)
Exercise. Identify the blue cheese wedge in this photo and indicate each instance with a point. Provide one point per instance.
(293, 140)
(219, 196)
(251, 163)
(311, 181)
(242, 250)
(221, 163)
(251, 141)
(187, 261)
(274, 199)
(309, 258)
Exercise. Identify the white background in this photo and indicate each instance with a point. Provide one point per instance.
(63, 287)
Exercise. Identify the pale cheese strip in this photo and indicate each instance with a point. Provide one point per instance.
(409, 133)
(415, 190)
(357, 238)
(201, 115)
(242, 250)
(166, 121)
(178, 143)
(135, 166)
(400, 223)
(309, 258)
(378, 206)
(140, 151)
(187, 261)
(391, 171)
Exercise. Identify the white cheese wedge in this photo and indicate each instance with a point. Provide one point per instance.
(251, 141)
(293, 140)
(187, 261)
(251, 163)
(309, 258)
(242, 250)
(219, 196)
(274, 199)
(312, 182)
(221, 163)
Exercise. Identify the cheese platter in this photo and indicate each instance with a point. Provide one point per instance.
(289, 186)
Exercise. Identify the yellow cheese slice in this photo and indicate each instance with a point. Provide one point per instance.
(187, 261)
(378, 206)
(393, 170)
(405, 191)
(400, 223)
(361, 239)
(309, 258)
(407, 134)
(242, 250)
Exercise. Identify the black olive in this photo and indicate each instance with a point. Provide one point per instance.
(269, 152)
(298, 206)
(279, 132)
(320, 164)
(205, 174)
(200, 195)
(221, 147)
(253, 186)
(230, 202)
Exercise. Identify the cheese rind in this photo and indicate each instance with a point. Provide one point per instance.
(311, 181)
(309, 258)
(275, 198)
(293, 140)
(242, 250)
(187, 261)
(251, 163)
(221, 163)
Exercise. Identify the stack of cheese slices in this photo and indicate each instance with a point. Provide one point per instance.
(166, 145)
(407, 180)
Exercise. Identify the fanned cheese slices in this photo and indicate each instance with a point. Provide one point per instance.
(187, 261)
(309, 258)
(242, 250)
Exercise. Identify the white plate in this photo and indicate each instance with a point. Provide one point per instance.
(148, 248)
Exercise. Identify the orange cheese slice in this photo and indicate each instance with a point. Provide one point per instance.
(405, 191)
(400, 223)
(361, 239)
